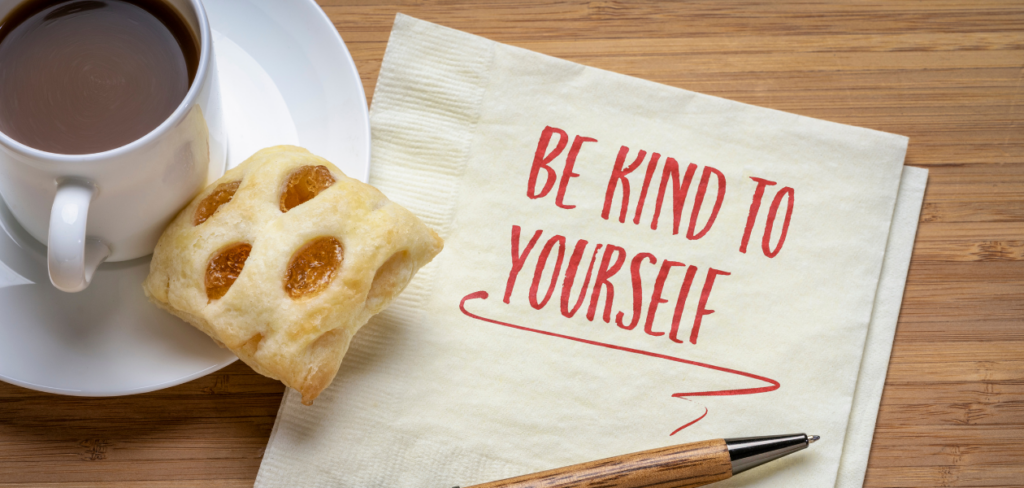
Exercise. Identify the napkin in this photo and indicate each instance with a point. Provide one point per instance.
(882, 330)
(627, 266)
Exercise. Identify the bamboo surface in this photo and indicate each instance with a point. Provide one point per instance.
(949, 74)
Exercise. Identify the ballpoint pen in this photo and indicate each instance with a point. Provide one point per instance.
(682, 466)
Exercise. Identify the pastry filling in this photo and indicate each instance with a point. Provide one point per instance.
(220, 195)
(304, 184)
(313, 267)
(224, 268)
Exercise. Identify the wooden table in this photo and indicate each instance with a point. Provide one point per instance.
(948, 74)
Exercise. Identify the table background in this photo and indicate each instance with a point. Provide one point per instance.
(948, 74)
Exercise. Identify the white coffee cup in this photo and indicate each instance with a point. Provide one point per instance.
(113, 205)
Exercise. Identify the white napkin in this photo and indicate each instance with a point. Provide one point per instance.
(497, 147)
(886, 312)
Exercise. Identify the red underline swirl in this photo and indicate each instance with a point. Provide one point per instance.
(773, 385)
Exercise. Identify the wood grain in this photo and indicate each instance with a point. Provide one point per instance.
(947, 73)
(683, 466)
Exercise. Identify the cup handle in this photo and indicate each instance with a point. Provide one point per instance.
(71, 257)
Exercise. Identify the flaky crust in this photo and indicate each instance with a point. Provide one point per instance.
(298, 341)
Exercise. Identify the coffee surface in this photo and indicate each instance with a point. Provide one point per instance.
(81, 77)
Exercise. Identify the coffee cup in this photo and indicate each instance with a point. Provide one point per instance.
(112, 205)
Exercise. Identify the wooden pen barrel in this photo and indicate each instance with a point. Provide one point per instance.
(683, 466)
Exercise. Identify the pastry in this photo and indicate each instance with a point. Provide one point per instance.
(283, 259)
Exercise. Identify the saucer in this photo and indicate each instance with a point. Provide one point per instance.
(286, 78)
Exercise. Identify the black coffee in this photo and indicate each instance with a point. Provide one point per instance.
(85, 76)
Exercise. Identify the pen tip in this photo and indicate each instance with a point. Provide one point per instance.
(811, 439)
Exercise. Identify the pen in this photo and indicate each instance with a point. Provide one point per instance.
(682, 466)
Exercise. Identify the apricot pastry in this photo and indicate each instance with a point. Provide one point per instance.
(283, 259)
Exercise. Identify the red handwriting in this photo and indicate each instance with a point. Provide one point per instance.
(702, 309)
(656, 298)
(543, 177)
(607, 260)
(604, 273)
(542, 161)
(638, 297)
(755, 206)
(612, 261)
(618, 180)
(567, 173)
(699, 200)
(765, 247)
(541, 261)
(570, 276)
(772, 384)
(618, 183)
(518, 259)
(679, 190)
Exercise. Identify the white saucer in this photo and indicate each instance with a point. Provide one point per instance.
(286, 78)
